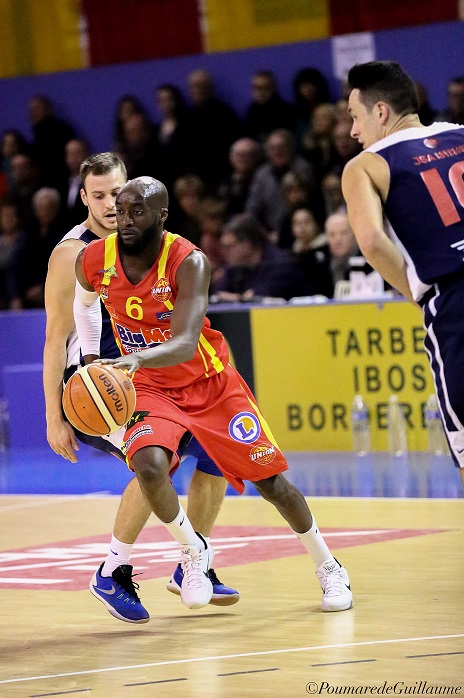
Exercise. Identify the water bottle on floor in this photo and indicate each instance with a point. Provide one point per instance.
(4, 425)
(436, 435)
(396, 427)
(360, 425)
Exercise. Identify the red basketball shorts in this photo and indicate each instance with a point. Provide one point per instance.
(221, 412)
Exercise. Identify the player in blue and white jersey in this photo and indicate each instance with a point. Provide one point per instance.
(412, 176)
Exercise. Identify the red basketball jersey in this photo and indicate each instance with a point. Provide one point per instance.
(140, 314)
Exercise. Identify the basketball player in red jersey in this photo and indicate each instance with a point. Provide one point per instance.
(102, 176)
(155, 287)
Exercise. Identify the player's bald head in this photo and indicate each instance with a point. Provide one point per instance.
(150, 190)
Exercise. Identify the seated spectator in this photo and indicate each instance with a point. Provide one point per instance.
(454, 112)
(13, 243)
(342, 245)
(254, 267)
(140, 152)
(172, 133)
(126, 106)
(310, 88)
(76, 151)
(50, 137)
(25, 180)
(297, 192)
(213, 127)
(245, 156)
(311, 250)
(266, 200)
(345, 146)
(267, 111)
(331, 189)
(316, 143)
(211, 218)
(12, 143)
(46, 230)
(341, 111)
(189, 191)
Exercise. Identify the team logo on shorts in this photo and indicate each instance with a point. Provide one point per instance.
(161, 291)
(142, 430)
(137, 417)
(262, 454)
(245, 427)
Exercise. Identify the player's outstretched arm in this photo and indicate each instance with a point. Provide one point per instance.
(59, 294)
(363, 179)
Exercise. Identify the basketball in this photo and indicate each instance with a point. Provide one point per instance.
(99, 399)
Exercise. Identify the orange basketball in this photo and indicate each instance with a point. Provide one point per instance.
(99, 399)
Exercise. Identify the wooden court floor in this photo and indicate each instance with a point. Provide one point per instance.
(404, 556)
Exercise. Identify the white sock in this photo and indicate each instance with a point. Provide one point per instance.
(182, 530)
(315, 544)
(119, 554)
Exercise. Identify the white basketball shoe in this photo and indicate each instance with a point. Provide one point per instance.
(196, 590)
(335, 585)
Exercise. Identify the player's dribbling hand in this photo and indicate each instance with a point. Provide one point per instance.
(129, 363)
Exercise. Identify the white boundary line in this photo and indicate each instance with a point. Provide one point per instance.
(47, 499)
(233, 656)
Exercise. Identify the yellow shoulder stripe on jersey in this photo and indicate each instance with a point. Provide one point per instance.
(215, 361)
(109, 264)
(109, 270)
(169, 239)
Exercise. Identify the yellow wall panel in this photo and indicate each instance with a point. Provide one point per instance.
(246, 23)
(38, 37)
(309, 362)
(10, 51)
(55, 36)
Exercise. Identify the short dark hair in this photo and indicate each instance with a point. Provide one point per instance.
(384, 81)
(265, 73)
(101, 164)
(246, 228)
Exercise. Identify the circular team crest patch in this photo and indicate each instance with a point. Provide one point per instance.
(161, 291)
(245, 427)
(262, 454)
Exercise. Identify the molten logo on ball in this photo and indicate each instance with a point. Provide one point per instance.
(111, 391)
(99, 400)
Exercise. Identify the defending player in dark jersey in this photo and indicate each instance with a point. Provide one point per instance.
(413, 175)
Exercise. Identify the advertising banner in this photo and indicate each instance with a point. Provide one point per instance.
(310, 362)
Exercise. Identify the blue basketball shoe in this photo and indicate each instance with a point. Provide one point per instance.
(222, 595)
(119, 594)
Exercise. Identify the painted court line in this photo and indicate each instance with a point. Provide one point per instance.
(31, 580)
(47, 500)
(233, 656)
